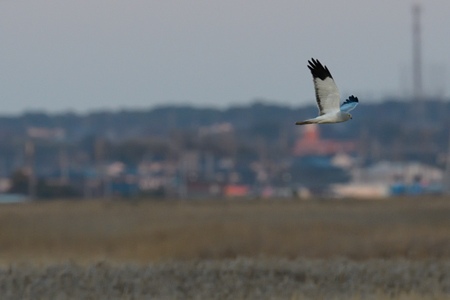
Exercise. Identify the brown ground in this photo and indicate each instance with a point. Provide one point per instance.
(384, 248)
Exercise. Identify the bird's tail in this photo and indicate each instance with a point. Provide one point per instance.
(304, 122)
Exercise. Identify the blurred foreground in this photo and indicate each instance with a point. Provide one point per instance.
(226, 249)
(233, 279)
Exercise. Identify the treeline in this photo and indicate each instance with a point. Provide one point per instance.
(388, 126)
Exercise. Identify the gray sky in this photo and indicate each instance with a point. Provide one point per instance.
(83, 55)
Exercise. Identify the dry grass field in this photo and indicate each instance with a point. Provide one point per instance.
(248, 249)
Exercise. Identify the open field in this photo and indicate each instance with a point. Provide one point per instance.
(155, 231)
(226, 249)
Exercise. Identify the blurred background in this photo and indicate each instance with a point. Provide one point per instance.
(195, 99)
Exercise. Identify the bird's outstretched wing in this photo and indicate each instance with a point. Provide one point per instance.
(349, 104)
(327, 93)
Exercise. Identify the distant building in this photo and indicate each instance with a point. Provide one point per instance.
(311, 144)
(46, 133)
(392, 179)
(387, 172)
(236, 190)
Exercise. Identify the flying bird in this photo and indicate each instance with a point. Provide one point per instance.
(327, 97)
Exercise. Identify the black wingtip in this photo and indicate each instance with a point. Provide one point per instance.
(352, 99)
(318, 70)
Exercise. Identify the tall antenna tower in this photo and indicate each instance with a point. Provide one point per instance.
(417, 53)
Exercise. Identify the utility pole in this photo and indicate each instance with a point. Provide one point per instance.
(29, 155)
(417, 53)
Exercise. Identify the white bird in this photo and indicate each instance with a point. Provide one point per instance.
(327, 97)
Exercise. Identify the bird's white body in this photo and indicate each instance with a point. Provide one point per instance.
(331, 117)
(328, 98)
